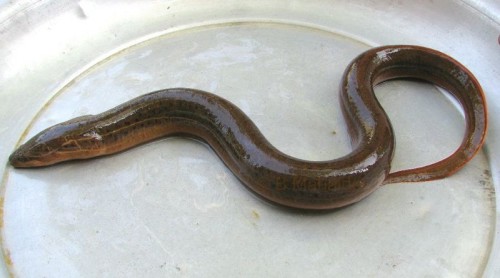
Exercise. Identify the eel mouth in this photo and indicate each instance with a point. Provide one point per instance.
(25, 157)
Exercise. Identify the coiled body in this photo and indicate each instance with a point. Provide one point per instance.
(261, 167)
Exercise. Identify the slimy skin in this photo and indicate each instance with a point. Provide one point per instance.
(275, 176)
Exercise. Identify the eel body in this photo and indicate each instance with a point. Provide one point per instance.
(265, 170)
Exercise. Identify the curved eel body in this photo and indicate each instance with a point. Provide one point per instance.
(261, 167)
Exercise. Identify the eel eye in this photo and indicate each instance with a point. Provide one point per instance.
(69, 145)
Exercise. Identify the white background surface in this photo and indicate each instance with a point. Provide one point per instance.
(171, 207)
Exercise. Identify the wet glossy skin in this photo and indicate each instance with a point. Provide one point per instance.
(265, 170)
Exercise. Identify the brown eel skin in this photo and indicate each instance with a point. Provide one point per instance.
(277, 177)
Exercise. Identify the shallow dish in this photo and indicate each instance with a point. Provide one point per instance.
(171, 207)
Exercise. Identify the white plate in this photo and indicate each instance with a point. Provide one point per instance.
(171, 208)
